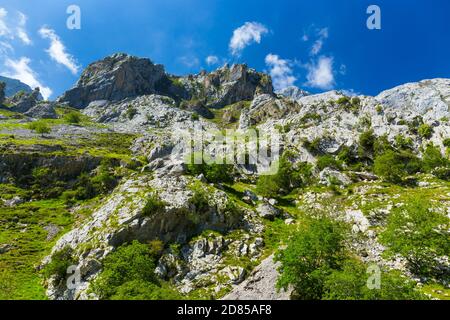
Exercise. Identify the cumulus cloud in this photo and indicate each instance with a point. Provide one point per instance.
(57, 50)
(212, 60)
(21, 32)
(280, 71)
(245, 35)
(320, 73)
(318, 44)
(21, 70)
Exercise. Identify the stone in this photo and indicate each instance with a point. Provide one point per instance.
(4, 248)
(267, 211)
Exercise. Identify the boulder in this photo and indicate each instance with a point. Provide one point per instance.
(267, 211)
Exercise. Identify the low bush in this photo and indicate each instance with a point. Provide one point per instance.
(154, 205)
(59, 264)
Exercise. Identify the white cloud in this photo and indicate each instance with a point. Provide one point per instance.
(189, 61)
(318, 44)
(4, 30)
(245, 35)
(20, 69)
(21, 33)
(320, 74)
(212, 60)
(280, 71)
(57, 50)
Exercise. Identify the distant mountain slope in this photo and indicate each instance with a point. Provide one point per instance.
(13, 86)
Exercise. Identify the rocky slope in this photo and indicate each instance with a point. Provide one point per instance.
(221, 242)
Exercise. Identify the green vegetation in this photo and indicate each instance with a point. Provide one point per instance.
(214, 172)
(328, 161)
(128, 274)
(393, 166)
(318, 266)
(59, 264)
(153, 206)
(40, 127)
(420, 233)
(425, 131)
(288, 177)
(72, 117)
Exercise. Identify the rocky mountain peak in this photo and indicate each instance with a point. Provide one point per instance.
(114, 78)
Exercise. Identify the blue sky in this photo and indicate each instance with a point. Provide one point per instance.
(317, 45)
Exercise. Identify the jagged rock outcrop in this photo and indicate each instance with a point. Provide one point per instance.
(23, 102)
(43, 110)
(293, 92)
(227, 85)
(115, 78)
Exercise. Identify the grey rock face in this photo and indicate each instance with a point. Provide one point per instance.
(115, 78)
(42, 111)
(293, 92)
(22, 102)
(228, 85)
(260, 285)
(266, 210)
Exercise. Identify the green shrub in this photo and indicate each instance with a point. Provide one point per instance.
(347, 156)
(129, 263)
(432, 158)
(199, 201)
(382, 145)
(72, 117)
(311, 253)
(138, 290)
(288, 177)
(419, 233)
(350, 283)
(60, 262)
(313, 146)
(317, 265)
(328, 161)
(154, 205)
(446, 142)
(392, 166)
(379, 109)
(40, 127)
(425, 131)
(131, 112)
(195, 116)
(366, 143)
(343, 100)
(403, 143)
(214, 173)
